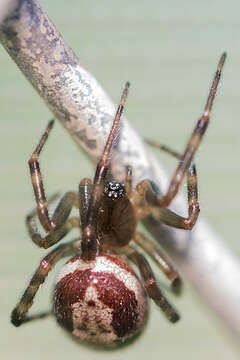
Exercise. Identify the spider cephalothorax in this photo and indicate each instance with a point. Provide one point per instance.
(98, 297)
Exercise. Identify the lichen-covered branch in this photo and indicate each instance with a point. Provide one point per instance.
(7, 7)
(70, 91)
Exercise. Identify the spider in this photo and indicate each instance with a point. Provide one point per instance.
(98, 297)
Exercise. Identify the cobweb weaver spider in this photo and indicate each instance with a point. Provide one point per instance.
(98, 297)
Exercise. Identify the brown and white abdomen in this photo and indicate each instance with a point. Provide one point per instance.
(100, 302)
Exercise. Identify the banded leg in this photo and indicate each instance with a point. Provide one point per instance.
(65, 205)
(150, 284)
(90, 243)
(84, 195)
(52, 238)
(19, 313)
(55, 236)
(154, 251)
(164, 148)
(191, 148)
(165, 215)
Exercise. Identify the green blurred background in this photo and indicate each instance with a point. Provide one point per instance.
(169, 51)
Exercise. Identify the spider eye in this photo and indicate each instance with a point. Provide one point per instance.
(114, 190)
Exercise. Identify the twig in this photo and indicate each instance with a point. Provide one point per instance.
(7, 7)
(85, 110)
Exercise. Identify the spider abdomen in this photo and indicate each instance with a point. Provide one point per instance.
(100, 302)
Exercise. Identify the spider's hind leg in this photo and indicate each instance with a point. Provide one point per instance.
(154, 251)
(150, 283)
(19, 313)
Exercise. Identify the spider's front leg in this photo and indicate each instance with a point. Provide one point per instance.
(54, 236)
(165, 215)
(90, 243)
(64, 206)
(46, 265)
(191, 148)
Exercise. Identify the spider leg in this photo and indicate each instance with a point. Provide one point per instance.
(165, 215)
(154, 251)
(85, 191)
(38, 316)
(90, 242)
(150, 284)
(52, 238)
(128, 180)
(65, 205)
(191, 148)
(55, 236)
(19, 313)
(164, 148)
